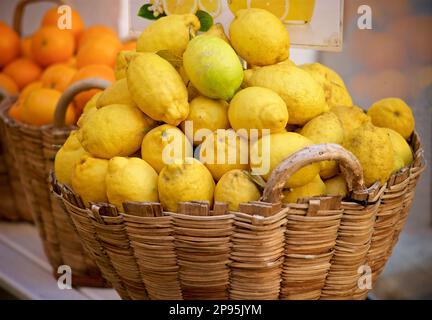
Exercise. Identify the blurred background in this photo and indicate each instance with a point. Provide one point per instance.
(393, 59)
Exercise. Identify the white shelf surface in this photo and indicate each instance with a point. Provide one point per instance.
(26, 273)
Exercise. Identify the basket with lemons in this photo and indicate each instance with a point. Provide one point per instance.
(186, 121)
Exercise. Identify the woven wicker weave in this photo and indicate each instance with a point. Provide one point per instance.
(314, 249)
(34, 150)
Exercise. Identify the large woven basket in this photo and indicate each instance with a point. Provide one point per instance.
(318, 248)
(34, 149)
(11, 208)
(14, 205)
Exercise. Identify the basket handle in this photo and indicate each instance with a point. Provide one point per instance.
(3, 94)
(19, 12)
(71, 92)
(350, 166)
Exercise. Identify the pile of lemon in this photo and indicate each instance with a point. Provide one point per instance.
(176, 78)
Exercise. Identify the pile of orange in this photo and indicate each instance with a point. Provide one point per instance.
(42, 66)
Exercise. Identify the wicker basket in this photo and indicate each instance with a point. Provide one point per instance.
(10, 208)
(310, 250)
(34, 149)
(14, 205)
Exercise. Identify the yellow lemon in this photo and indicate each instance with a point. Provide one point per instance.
(122, 62)
(179, 7)
(336, 186)
(88, 179)
(89, 109)
(223, 151)
(393, 113)
(314, 188)
(164, 144)
(258, 108)
(325, 128)
(271, 150)
(334, 87)
(183, 181)
(304, 97)
(217, 30)
(351, 117)
(170, 33)
(117, 93)
(235, 188)
(157, 89)
(373, 148)
(300, 10)
(115, 130)
(402, 150)
(67, 157)
(130, 179)
(268, 46)
(206, 116)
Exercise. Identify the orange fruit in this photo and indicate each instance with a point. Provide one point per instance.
(9, 44)
(51, 18)
(26, 51)
(95, 32)
(102, 50)
(58, 76)
(91, 71)
(51, 45)
(28, 89)
(129, 45)
(72, 62)
(23, 71)
(15, 111)
(8, 84)
(39, 107)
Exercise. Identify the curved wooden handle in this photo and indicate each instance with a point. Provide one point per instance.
(3, 94)
(350, 166)
(71, 92)
(19, 12)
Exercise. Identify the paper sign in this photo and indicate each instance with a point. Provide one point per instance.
(313, 24)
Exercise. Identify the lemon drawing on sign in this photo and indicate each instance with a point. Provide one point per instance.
(213, 7)
(300, 11)
(180, 6)
(236, 5)
(278, 7)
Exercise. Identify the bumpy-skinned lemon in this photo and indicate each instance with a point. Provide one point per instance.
(325, 128)
(122, 62)
(170, 33)
(88, 179)
(130, 179)
(235, 188)
(89, 109)
(373, 148)
(402, 151)
(117, 93)
(157, 89)
(185, 180)
(206, 115)
(213, 67)
(217, 30)
(351, 117)
(336, 186)
(258, 108)
(314, 188)
(334, 87)
(259, 37)
(115, 130)
(273, 149)
(67, 157)
(163, 144)
(223, 151)
(303, 95)
(393, 113)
